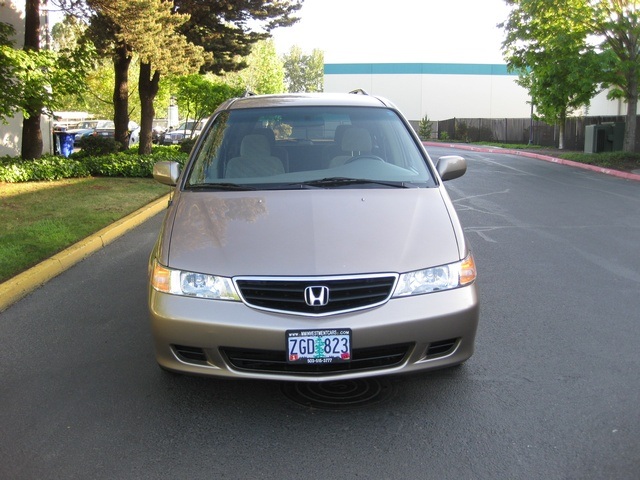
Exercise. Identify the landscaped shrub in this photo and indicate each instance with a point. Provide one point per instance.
(45, 168)
(122, 164)
(94, 145)
(424, 128)
(169, 153)
(187, 145)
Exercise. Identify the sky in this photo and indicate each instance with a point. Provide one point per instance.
(398, 31)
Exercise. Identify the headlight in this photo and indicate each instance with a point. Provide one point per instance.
(437, 279)
(178, 282)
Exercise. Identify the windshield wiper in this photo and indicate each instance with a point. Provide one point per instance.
(220, 186)
(330, 182)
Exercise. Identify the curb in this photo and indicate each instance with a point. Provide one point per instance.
(537, 156)
(24, 283)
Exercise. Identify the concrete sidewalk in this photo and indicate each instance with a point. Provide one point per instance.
(21, 285)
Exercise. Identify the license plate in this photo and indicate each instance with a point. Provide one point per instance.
(319, 346)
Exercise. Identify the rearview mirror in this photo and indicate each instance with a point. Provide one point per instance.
(166, 173)
(451, 166)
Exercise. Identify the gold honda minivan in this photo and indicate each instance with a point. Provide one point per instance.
(310, 238)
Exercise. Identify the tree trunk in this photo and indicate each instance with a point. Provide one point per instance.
(32, 143)
(121, 61)
(561, 126)
(631, 120)
(148, 89)
(31, 147)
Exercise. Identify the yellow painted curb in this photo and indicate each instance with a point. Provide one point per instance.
(24, 283)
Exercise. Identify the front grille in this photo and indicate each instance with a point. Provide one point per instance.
(288, 294)
(276, 361)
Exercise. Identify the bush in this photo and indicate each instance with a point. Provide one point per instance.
(187, 145)
(424, 128)
(461, 131)
(122, 164)
(45, 168)
(93, 145)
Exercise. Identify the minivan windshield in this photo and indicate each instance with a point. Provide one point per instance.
(308, 147)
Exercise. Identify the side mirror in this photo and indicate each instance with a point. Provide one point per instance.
(166, 172)
(451, 166)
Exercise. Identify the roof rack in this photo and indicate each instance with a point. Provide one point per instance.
(359, 91)
(249, 93)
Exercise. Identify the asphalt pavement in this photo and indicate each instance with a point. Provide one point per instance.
(551, 392)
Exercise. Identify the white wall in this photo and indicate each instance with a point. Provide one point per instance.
(600, 105)
(461, 91)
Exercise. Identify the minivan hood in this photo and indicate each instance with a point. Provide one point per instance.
(308, 233)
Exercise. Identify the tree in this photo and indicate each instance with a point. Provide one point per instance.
(617, 22)
(229, 28)
(613, 23)
(124, 28)
(66, 35)
(146, 29)
(9, 65)
(315, 71)
(32, 105)
(304, 73)
(97, 97)
(264, 73)
(34, 82)
(199, 95)
(546, 43)
(425, 127)
(221, 28)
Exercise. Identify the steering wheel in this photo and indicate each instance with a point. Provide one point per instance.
(366, 156)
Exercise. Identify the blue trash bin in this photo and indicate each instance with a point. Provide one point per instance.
(66, 143)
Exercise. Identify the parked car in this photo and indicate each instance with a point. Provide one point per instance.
(185, 130)
(134, 133)
(83, 129)
(105, 128)
(311, 238)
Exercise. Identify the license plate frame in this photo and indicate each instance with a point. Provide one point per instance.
(329, 346)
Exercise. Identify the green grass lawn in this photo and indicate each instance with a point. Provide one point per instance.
(40, 219)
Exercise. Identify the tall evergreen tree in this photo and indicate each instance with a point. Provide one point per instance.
(215, 31)
(228, 28)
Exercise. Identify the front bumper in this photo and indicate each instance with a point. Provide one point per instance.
(230, 339)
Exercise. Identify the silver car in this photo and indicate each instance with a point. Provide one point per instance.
(185, 131)
(310, 238)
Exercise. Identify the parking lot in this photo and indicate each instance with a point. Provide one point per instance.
(551, 392)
